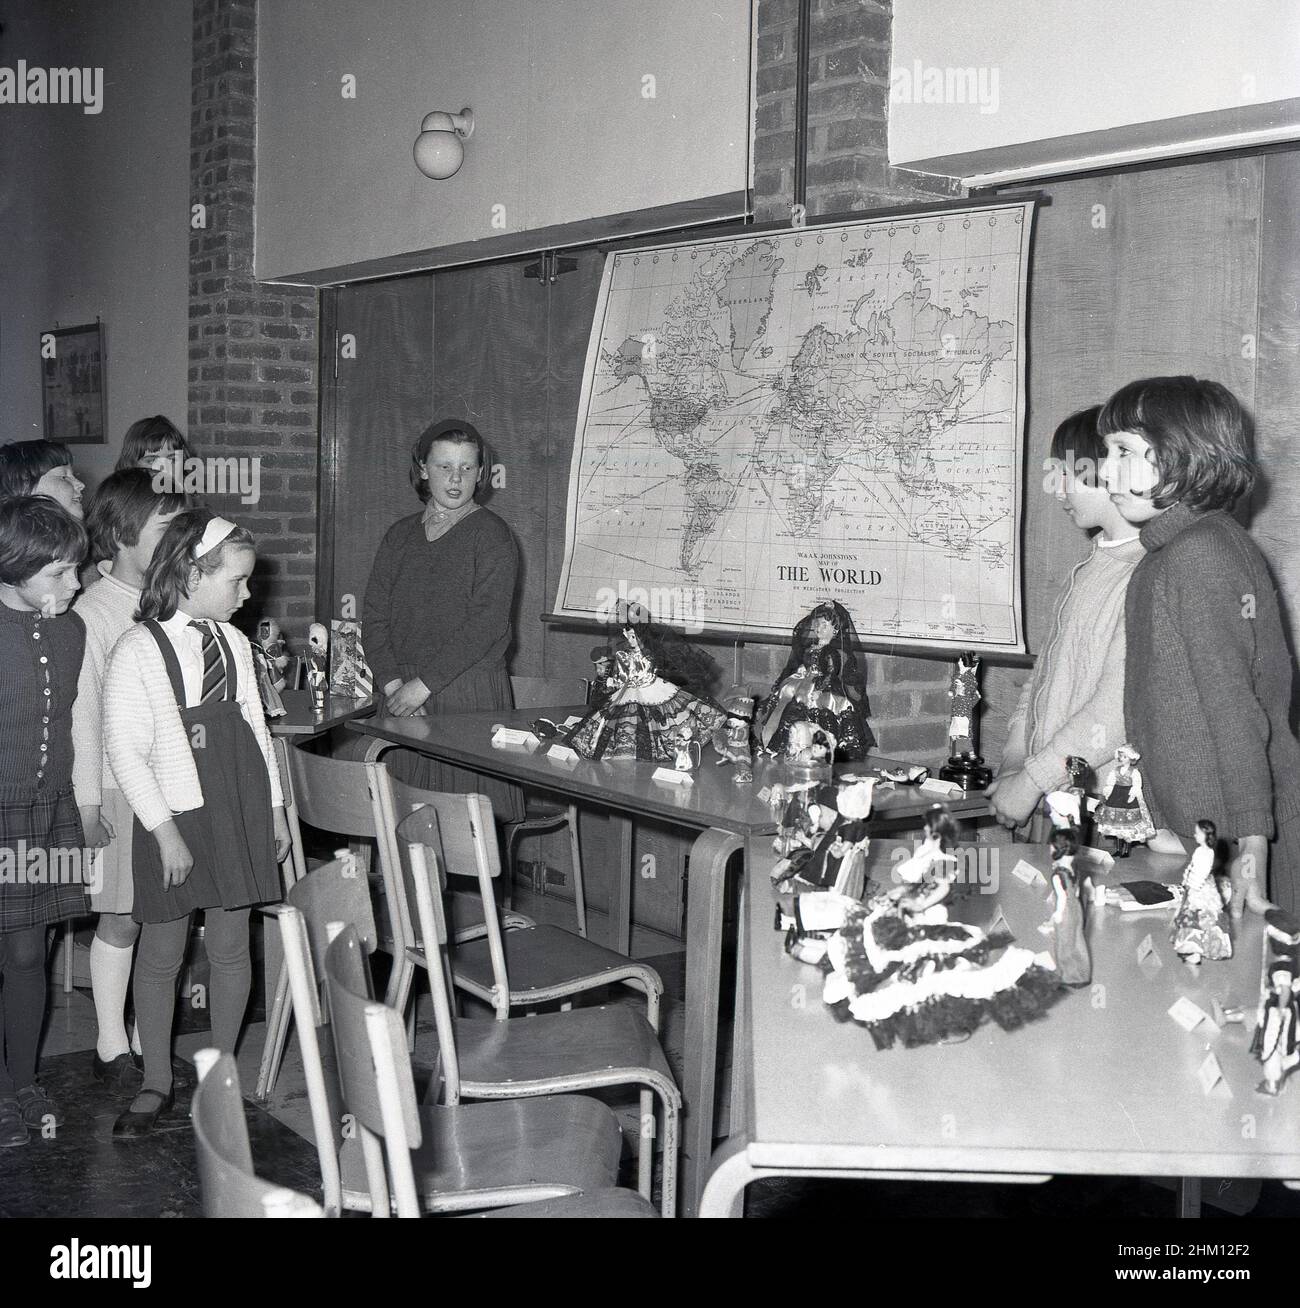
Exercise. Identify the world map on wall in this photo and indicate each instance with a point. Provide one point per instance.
(831, 412)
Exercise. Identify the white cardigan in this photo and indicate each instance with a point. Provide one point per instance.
(145, 739)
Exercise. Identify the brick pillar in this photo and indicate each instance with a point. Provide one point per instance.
(848, 170)
(252, 374)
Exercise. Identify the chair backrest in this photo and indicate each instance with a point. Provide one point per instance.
(549, 692)
(332, 794)
(374, 1068)
(226, 1178)
(417, 841)
(338, 891)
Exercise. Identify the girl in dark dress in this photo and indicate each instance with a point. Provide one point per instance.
(41, 648)
(437, 609)
(188, 744)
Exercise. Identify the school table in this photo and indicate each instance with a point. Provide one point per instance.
(302, 722)
(728, 818)
(1104, 1083)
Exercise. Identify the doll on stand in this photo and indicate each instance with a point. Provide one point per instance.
(822, 684)
(1123, 814)
(318, 644)
(731, 737)
(1072, 890)
(965, 766)
(1200, 927)
(1275, 1031)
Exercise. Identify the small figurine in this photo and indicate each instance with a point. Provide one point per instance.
(686, 749)
(1069, 918)
(965, 766)
(1200, 927)
(1122, 814)
(272, 704)
(821, 683)
(839, 861)
(731, 736)
(318, 643)
(350, 674)
(271, 641)
(1274, 1043)
(939, 834)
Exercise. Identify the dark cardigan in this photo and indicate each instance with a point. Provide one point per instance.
(1207, 684)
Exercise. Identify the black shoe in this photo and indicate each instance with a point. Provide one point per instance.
(132, 1125)
(125, 1072)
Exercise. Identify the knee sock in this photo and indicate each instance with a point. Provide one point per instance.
(159, 954)
(110, 974)
(22, 1006)
(226, 937)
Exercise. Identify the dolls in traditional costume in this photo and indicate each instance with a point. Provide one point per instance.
(1072, 891)
(271, 642)
(1275, 1042)
(318, 644)
(933, 860)
(965, 765)
(839, 860)
(821, 683)
(272, 704)
(1123, 814)
(804, 800)
(640, 718)
(686, 749)
(731, 737)
(1200, 928)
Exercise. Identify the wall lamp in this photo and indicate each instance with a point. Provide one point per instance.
(438, 149)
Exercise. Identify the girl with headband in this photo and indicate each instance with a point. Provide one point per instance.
(187, 742)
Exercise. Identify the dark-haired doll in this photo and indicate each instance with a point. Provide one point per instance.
(1201, 923)
(1072, 888)
(822, 684)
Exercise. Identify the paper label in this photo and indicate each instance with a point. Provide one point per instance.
(1187, 1014)
(1146, 949)
(1106, 859)
(1210, 1074)
(1027, 873)
(562, 754)
(571, 721)
(513, 737)
(673, 776)
(934, 786)
(765, 795)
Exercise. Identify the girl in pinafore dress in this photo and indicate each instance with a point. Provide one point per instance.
(188, 744)
(126, 520)
(41, 647)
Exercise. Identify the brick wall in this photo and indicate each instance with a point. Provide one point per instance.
(252, 350)
(848, 170)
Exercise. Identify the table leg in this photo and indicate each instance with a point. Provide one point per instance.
(1189, 1196)
(706, 892)
(738, 1116)
(729, 1174)
(620, 890)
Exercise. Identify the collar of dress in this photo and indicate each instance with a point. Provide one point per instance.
(438, 522)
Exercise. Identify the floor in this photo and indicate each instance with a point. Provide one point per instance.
(81, 1171)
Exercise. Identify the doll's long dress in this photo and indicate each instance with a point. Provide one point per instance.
(1199, 925)
(1073, 961)
(638, 722)
(1123, 816)
(805, 695)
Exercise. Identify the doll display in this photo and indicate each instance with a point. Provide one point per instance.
(1072, 891)
(1123, 815)
(1274, 1043)
(642, 716)
(731, 737)
(965, 766)
(913, 980)
(318, 645)
(269, 667)
(270, 640)
(1200, 927)
(350, 675)
(821, 683)
(803, 801)
(838, 861)
(686, 749)
(932, 863)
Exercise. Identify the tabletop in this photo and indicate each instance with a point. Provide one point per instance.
(1106, 1082)
(300, 719)
(713, 799)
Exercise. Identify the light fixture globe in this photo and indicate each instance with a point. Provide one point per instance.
(438, 150)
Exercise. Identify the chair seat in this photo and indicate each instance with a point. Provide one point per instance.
(599, 1203)
(503, 1151)
(553, 1050)
(467, 917)
(540, 809)
(545, 958)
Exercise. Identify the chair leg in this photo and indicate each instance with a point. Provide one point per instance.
(645, 1162)
(277, 1032)
(575, 854)
(508, 890)
(69, 948)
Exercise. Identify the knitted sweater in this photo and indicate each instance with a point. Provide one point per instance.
(1208, 678)
(36, 712)
(440, 609)
(1074, 702)
(107, 607)
(148, 749)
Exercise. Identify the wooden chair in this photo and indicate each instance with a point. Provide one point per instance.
(583, 1049)
(506, 969)
(542, 814)
(226, 1179)
(332, 795)
(444, 1158)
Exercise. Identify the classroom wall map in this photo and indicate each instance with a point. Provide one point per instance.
(831, 412)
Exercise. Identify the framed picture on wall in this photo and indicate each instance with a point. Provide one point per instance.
(73, 394)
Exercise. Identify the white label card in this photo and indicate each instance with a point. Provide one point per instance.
(512, 736)
(1027, 873)
(1187, 1014)
(1210, 1074)
(1146, 949)
(672, 775)
(562, 754)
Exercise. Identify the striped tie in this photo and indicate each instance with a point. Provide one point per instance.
(214, 666)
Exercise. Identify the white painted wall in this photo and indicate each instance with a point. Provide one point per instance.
(563, 130)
